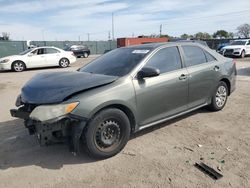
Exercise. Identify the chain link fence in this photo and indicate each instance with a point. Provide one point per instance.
(15, 47)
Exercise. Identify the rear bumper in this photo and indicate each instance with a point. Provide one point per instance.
(66, 128)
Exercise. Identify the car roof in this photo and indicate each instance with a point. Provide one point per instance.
(156, 45)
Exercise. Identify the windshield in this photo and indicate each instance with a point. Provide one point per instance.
(25, 52)
(238, 42)
(117, 62)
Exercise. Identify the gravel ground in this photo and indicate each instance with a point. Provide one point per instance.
(162, 156)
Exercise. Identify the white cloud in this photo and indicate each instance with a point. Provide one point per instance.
(69, 19)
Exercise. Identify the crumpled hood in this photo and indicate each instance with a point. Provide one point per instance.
(46, 88)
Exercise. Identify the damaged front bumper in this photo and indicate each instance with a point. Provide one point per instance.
(67, 128)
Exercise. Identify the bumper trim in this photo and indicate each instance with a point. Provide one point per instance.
(19, 114)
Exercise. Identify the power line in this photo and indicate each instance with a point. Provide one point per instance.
(211, 16)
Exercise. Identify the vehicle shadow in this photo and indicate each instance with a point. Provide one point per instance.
(169, 122)
(19, 149)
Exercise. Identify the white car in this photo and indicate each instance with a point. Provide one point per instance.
(37, 57)
(239, 48)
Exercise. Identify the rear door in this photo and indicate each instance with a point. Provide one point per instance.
(52, 56)
(204, 73)
(164, 95)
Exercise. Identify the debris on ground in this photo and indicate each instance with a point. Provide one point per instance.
(208, 170)
(228, 149)
(219, 168)
(222, 161)
(199, 145)
(129, 153)
(188, 149)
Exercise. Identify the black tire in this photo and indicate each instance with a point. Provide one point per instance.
(85, 55)
(64, 62)
(107, 133)
(218, 101)
(18, 66)
(243, 54)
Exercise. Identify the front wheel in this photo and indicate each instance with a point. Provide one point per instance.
(107, 133)
(243, 54)
(219, 98)
(64, 62)
(18, 66)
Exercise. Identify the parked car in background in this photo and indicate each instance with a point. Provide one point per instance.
(79, 50)
(37, 57)
(204, 43)
(221, 45)
(238, 48)
(124, 91)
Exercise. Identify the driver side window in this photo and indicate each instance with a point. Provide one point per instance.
(166, 60)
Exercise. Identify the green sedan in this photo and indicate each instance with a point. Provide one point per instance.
(122, 92)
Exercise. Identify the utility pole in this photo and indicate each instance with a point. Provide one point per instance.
(113, 29)
(160, 30)
(109, 36)
(88, 35)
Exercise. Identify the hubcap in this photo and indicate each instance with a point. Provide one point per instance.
(108, 134)
(64, 63)
(18, 67)
(221, 96)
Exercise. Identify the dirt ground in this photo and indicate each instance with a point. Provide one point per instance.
(162, 156)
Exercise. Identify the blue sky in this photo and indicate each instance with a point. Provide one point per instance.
(69, 20)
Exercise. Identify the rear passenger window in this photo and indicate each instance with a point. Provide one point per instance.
(51, 51)
(209, 57)
(166, 60)
(193, 55)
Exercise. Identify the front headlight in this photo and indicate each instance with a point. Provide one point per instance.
(5, 61)
(48, 112)
(237, 49)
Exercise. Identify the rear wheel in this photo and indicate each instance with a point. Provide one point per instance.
(64, 62)
(18, 66)
(85, 54)
(107, 133)
(219, 98)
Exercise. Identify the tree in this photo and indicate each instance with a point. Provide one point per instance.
(201, 35)
(5, 36)
(186, 36)
(244, 30)
(222, 34)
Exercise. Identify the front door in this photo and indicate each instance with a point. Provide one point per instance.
(165, 95)
(36, 58)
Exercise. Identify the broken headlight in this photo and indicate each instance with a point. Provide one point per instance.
(48, 112)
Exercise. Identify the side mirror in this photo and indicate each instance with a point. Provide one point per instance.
(147, 72)
(30, 55)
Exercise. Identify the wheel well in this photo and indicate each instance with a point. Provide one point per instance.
(18, 61)
(126, 110)
(228, 84)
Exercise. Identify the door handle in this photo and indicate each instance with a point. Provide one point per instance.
(183, 77)
(216, 68)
